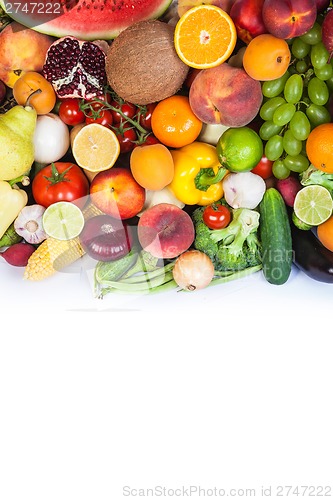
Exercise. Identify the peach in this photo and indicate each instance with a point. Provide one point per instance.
(225, 95)
(289, 18)
(165, 231)
(22, 49)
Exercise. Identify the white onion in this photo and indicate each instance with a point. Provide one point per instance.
(51, 138)
(243, 189)
(193, 270)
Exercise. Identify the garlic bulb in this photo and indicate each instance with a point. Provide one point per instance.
(29, 224)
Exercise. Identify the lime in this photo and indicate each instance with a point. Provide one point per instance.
(300, 224)
(239, 149)
(313, 205)
(63, 220)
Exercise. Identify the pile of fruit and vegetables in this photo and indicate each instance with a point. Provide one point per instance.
(176, 145)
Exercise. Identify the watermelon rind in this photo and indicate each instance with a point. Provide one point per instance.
(87, 20)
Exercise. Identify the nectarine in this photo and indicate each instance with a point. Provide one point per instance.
(225, 95)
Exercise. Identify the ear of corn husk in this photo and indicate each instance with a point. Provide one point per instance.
(54, 255)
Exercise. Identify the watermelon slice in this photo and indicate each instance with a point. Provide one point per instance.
(84, 19)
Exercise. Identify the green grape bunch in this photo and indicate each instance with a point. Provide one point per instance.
(296, 102)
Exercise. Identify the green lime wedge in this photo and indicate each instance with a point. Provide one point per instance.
(63, 220)
(313, 205)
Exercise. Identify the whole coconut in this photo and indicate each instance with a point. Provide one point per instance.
(142, 65)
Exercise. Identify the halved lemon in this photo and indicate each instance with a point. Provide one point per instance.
(205, 36)
(95, 147)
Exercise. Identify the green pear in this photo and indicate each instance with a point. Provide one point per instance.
(17, 128)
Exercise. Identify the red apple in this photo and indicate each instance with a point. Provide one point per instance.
(289, 18)
(247, 16)
(115, 192)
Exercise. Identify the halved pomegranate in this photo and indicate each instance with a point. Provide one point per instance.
(75, 68)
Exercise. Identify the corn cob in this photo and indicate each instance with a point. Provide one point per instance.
(54, 255)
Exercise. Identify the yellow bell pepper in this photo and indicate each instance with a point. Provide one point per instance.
(12, 200)
(198, 174)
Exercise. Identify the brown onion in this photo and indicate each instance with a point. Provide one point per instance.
(193, 270)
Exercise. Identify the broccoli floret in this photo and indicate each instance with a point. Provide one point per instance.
(233, 248)
(228, 261)
(313, 175)
(203, 240)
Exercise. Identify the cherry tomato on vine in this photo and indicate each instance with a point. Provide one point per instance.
(70, 112)
(145, 116)
(127, 108)
(148, 140)
(216, 216)
(101, 116)
(263, 168)
(127, 139)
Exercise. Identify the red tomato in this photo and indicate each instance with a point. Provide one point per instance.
(216, 216)
(61, 181)
(70, 112)
(101, 116)
(127, 139)
(145, 115)
(264, 168)
(127, 108)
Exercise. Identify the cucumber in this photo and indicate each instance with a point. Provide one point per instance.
(275, 236)
(106, 272)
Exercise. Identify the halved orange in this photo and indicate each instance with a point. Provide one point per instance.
(95, 147)
(205, 36)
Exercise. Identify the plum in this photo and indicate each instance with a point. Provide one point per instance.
(165, 231)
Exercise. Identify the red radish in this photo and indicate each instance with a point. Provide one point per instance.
(327, 32)
(18, 254)
(288, 189)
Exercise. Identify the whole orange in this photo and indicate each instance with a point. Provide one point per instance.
(174, 123)
(152, 166)
(319, 147)
(325, 233)
(35, 89)
(266, 57)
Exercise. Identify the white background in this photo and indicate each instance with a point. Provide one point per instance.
(230, 387)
